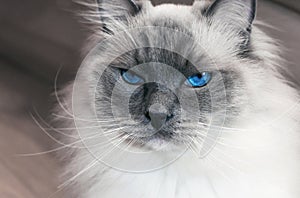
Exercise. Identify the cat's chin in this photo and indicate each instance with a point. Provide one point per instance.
(159, 144)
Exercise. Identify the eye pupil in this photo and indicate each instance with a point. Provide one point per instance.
(199, 80)
(131, 77)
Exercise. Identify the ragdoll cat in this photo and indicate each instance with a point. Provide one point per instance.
(180, 101)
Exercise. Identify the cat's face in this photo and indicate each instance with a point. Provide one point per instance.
(171, 72)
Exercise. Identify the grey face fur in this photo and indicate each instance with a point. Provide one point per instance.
(155, 106)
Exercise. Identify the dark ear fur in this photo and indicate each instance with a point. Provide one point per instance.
(116, 10)
(239, 13)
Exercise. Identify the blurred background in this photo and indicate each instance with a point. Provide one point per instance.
(37, 37)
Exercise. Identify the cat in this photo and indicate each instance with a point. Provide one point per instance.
(180, 101)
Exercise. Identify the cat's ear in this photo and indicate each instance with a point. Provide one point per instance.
(112, 11)
(238, 13)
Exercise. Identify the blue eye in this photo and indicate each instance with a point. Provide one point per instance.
(199, 80)
(131, 77)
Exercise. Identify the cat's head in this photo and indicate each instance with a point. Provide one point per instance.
(170, 73)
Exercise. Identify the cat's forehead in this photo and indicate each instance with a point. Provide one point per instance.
(173, 15)
(183, 29)
(178, 10)
(161, 59)
(170, 10)
(206, 35)
(166, 42)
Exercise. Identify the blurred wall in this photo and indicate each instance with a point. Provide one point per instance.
(292, 4)
(40, 35)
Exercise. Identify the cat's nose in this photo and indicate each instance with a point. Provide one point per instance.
(158, 115)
